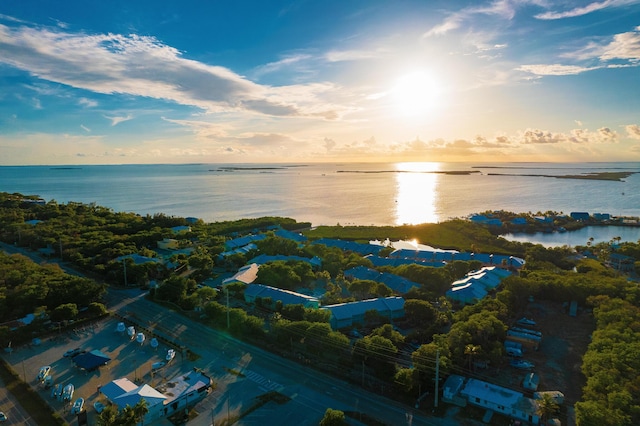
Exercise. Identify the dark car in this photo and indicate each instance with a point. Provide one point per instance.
(72, 352)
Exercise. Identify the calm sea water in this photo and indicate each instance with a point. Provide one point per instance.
(327, 194)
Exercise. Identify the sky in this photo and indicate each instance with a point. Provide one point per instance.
(256, 81)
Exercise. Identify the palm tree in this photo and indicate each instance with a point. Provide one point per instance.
(471, 351)
(140, 410)
(547, 407)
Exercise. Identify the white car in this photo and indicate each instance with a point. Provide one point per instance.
(3, 417)
(78, 406)
(99, 407)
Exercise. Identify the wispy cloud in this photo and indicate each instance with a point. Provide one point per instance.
(584, 10)
(554, 69)
(633, 131)
(143, 66)
(119, 119)
(85, 128)
(90, 103)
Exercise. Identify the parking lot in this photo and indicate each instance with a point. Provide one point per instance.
(128, 359)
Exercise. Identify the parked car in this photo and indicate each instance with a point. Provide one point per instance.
(98, 406)
(3, 417)
(77, 406)
(521, 364)
(72, 352)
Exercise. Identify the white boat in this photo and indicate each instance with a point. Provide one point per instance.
(120, 328)
(154, 343)
(140, 338)
(44, 372)
(78, 406)
(170, 354)
(131, 332)
(67, 392)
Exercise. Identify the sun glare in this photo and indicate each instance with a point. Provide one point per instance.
(415, 94)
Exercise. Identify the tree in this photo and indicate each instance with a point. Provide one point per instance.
(547, 407)
(333, 418)
(67, 311)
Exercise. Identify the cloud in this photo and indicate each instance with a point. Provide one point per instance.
(583, 10)
(329, 144)
(504, 9)
(143, 66)
(117, 120)
(85, 128)
(575, 136)
(284, 63)
(633, 131)
(351, 55)
(554, 69)
(624, 46)
(90, 103)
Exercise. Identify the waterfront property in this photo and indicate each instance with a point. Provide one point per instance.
(396, 283)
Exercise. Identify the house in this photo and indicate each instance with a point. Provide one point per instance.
(602, 217)
(181, 229)
(255, 291)
(239, 242)
(621, 262)
(179, 393)
(245, 275)
(168, 244)
(579, 216)
(495, 398)
(345, 315)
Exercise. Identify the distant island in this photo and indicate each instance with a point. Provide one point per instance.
(614, 176)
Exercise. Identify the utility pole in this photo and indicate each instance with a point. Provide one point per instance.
(437, 377)
(228, 321)
(124, 265)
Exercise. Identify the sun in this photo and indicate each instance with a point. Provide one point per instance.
(415, 94)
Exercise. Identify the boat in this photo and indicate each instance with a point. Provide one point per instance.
(154, 343)
(131, 332)
(78, 406)
(526, 321)
(170, 354)
(140, 338)
(157, 365)
(67, 392)
(44, 372)
(521, 364)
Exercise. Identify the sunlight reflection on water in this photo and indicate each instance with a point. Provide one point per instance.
(416, 193)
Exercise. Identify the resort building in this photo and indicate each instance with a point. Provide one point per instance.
(286, 297)
(345, 315)
(476, 285)
(396, 283)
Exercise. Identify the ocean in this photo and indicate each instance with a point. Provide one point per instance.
(329, 194)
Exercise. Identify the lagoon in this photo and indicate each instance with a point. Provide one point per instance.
(579, 237)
